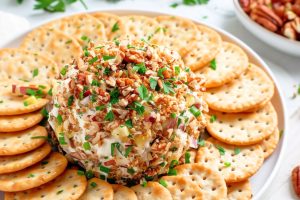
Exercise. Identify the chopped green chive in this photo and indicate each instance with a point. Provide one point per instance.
(213, 118)
(201, 143)
(109, 116)
(45, 113)
(131, 171)
(177, 70)
(138, 107)
(86, 52)
(173, 115)
(195, 111)
(213, 64)
(114, 96)
(93, 60)
(63, 71)
(89, 174)
(80, 172)
(127, 151)
(85, 38)
(237, 151)
(128, 123)
(61, 139)
(95, 83)
(49, 92)
(144, 184)
(108, 57)
(30, 176)
(35, 72)
(93, 184)
(115, 27)
(59, 119)
(86, 146)
(68, 41)
(99, 108)
(104, 169)
(107, 71)
(70, 100)
(221, 150)
(187, 157)
(174, 163)
(227, 164)
(172, 172)
(163, 182)
(40, 137)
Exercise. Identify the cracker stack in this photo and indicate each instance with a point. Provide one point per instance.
(242, 121)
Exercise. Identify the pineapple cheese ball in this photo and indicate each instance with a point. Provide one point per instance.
(127, 110)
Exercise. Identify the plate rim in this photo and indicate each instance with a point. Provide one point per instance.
(240, 43)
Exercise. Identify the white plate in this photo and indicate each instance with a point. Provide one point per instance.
(273, 39)
(265, 175)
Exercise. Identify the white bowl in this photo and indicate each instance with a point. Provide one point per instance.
(263, 178)
(273, 39)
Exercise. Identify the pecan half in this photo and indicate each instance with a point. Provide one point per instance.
(296, 180)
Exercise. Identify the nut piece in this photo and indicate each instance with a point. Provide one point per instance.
(296, 180)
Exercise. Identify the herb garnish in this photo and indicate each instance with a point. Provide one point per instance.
(45, 113)
(35, 72)
(61, 139)
(172, 172)
(221, 150)
(163, 183)
(59, 119)
(195, 111)
(237, 151)
(213, 118)
(93, 60)
(108, 57)
(128, 123)
(160, 72)
(167, 87)
(63, 71)
(70, 100)
(187, 157)
(127, 151)
(114, 96)
(140, 68)
(104, 169)
(201, 143)
(138, 107)
(109, 116)
(153, 83)
(86, 146)
(80, 172)
(213, 64)
(115, 27)
(93, 184)
(227, 164)
(131, 171)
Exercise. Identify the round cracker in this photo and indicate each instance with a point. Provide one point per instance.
(113, 25)
(179, 33)
(34, 176)
(69, 185)
(239, 191)
(19, 64)
(205, 48)
(270, 143)
(210, 182)
(98, 189)
(151, 191)
(231, 62)
(242, 94)
(58, 46)
(122, 192)
(19, 122)
(14, 105)
(22, 141)
(235, 163)
(142, 27)
(181, 187)
(243, 128)
(83, 27)
(18, 162)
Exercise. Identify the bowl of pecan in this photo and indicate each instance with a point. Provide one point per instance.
(276, 22)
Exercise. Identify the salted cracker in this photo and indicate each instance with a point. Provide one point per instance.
(248, 91)
(122, 192)
(243, 128)
(83, 27)
(178, 33)
(20, 64)
(21, 161)
(270, 143)
(69, 185)
(229, 63)
(210, 182)
(97, 189)
(181, 187)
(235, 163)
(141, 27)
(34, 176)
(151, 191)
(21, 122)
(22, 141)
(14, 105)
(239, 191)
(205, 48)
(55, 44)
(113, 25)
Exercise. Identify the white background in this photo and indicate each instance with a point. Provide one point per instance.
(219, 13)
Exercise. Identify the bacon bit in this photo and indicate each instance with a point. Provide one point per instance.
(109, 163)
(81, 78)
(87, 93)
